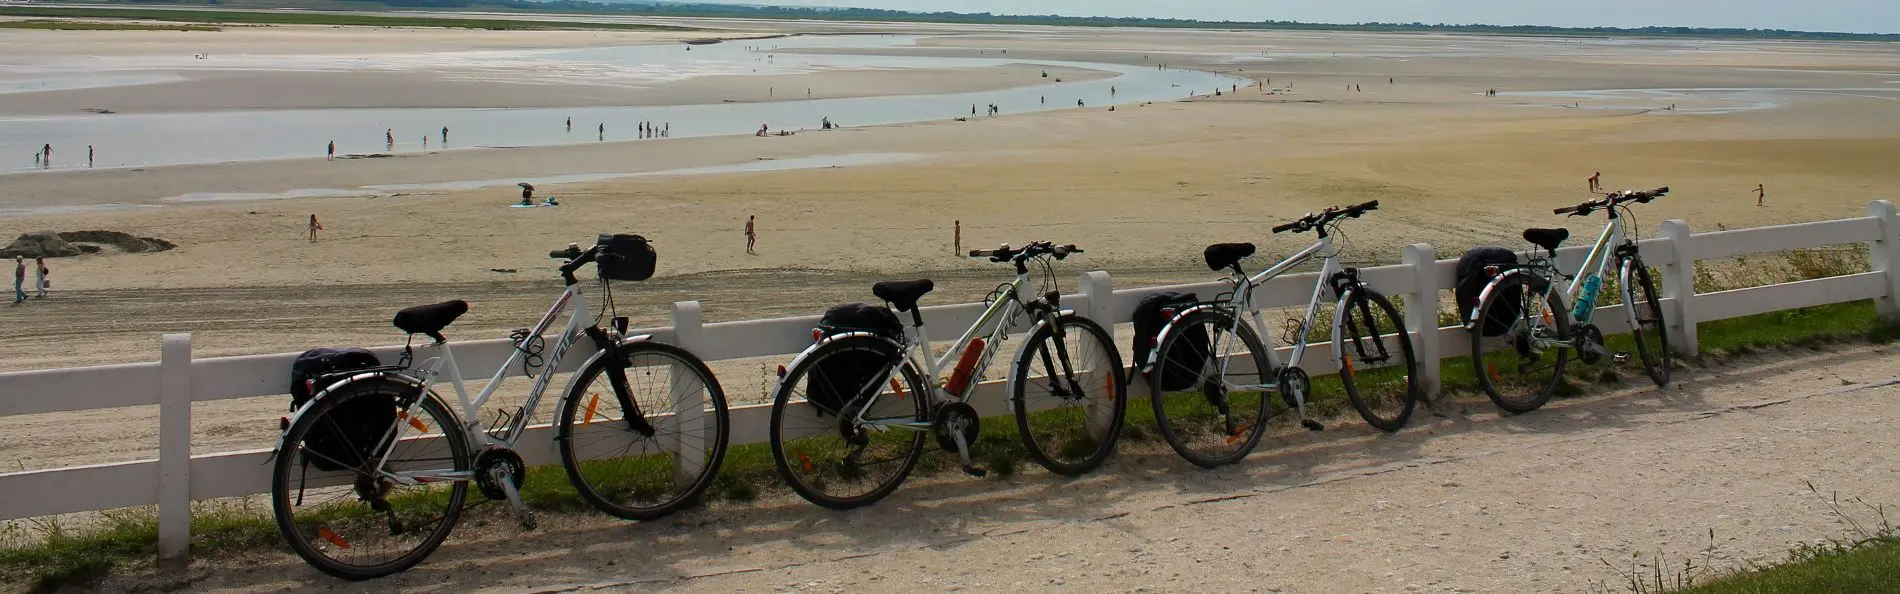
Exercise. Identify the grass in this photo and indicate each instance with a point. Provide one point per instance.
(53, 556)
(317, 18)
(90, 26)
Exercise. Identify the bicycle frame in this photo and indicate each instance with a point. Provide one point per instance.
(1241, 301)
(1597, 263)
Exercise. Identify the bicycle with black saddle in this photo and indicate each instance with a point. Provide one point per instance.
(1523, 333)
(1210, 372)
(372, 473)
(851, 414)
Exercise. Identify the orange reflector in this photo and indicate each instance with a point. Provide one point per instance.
(898, 387)
(1108, 383)
(1348, 362)
(418, 424)
(591, 403)
(333, 538)
(806, 462)
(817, 334)
(1238, 431)
(1493, 370)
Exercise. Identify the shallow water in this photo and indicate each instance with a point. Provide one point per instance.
(124, 140)
(1701, 101)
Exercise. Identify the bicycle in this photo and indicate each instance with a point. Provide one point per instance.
(378, 509)
(1521, 326)
(1210, 370)
(1065, 391)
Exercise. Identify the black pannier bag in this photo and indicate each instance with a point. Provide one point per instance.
(1148, 323)
(832, 382)
(626, 257)
(1471, 282)
(361, 422)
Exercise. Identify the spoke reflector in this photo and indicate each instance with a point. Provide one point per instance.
(333, 538)
(591, 403)
(806, 462)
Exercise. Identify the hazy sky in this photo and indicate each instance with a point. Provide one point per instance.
(1858, 16)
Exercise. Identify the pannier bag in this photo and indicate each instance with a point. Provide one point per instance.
(1471, 282)
(626, 257)
(361, 422)
(1184, 364)
(835, 380)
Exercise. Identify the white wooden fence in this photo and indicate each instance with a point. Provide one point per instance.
(177, 477)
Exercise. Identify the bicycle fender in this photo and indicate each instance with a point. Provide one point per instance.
(796, 361)
(1339, 320)
(575, 378)
(1624, 278)
(1010, 384)
(1494, 284)
(337, 385)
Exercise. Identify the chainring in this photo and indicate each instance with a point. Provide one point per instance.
(955, 416)
(1294, 385)
(498, 457)
(1588, 335)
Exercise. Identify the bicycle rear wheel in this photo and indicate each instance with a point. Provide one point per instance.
(1376, 364)
(1069, 397)
(837, 457)
(623, 471)
(342, 512)
(1205, 421)
(1651, 334)
(1513, 369)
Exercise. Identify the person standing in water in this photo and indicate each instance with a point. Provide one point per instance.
(751, 234)
(46, 155)
(332, 154)
(389, 137)
(602, 131)
(445, 136)
(88, 156)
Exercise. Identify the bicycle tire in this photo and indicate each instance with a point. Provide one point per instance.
(292, 470)
(1651, 335)
(649, 483)
(1508, 350)
(1069, 451)
(814, 428)
(1365, 332)
(1228, 440)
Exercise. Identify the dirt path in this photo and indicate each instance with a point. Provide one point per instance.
(1466, 501)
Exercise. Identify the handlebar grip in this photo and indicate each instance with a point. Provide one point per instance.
(1373, 205)
(1566, 210)
(1286, 227)
(1072, 249)
(560, 255)
(582, 260)
(981, 253)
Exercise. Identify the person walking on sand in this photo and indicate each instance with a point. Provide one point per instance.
(1761, 195)
(19, 278)
(332, 154)
(1596, 183)
(39, 277)
(314, 227)
(751, 234)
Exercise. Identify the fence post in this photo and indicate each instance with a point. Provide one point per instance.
(1100, 291)
(1884, 255)
(174, 451)
(1421, 315)
(1678, 280)
(689, 332)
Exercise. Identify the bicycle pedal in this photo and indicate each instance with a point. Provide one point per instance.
(1620, 358)
(1312, 425)
(975, 471)
(528, 520)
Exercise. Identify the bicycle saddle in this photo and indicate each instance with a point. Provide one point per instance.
(903, 294)
(1548, 239)
(1223, 255)
(430, 319)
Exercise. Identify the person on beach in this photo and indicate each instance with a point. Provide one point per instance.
(19, 278)
(570, 124)
(1761, 195)
(751, 234)
(46, 155)
(1111, 91)
(1078, 102)
(666, 130)
(39, 277)
(389, 137)
(332, 154)
(445, 137)
(425, 142)
(602, 132)
(314, 227)
(1596, 184)
(527, 194)
(88, 156)
(36, 158)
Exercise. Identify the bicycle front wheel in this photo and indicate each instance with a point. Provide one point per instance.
(1209, 388)
(1650, 332)
(1069, 396)
(1515, 348)
(836, 448)
(346, 514)
(616, 465)
(1376, 364)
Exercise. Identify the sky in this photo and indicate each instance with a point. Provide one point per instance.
(1852, 16)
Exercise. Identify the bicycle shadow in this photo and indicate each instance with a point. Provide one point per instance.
(945, 511)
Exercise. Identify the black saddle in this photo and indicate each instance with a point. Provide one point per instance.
(903, 295)
(430, 319)
(1223, 255)
(1548, 239)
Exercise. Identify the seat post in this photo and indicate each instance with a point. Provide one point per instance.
(917, 316)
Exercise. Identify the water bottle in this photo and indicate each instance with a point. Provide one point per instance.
(1587, 302)
(960, 377)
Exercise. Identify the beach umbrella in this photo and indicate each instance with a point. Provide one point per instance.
(526, 185)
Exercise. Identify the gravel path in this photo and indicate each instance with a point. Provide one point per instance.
(1714, 469)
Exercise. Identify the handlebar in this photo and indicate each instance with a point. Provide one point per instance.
(1321, 219)
(1613, 200)
(1034, 249)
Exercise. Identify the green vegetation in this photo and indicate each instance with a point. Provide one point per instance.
(86, 26)
(1866, 567)
(316, 18)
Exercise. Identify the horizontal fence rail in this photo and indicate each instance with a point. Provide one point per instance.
(176, 477)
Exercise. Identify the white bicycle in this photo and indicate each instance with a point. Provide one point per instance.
(1210, 371)
(372, 473)
(843, 440)
(1522, 334)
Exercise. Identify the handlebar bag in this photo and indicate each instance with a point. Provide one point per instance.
(627, 257)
